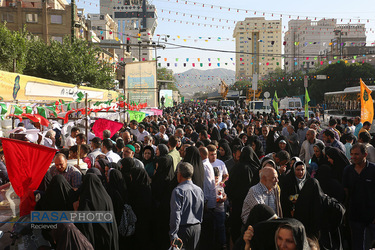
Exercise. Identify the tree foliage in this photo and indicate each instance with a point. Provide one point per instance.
(167, 74)
(339, 76)
(71, 62)
(13, 45)
(74, 62)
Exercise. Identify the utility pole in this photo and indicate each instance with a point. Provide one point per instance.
(73, 7)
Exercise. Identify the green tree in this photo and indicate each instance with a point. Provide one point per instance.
(167, 74)
(13, 46)
(72, 62)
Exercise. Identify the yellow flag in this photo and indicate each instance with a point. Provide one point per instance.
(367, 106)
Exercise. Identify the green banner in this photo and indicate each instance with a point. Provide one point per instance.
(135, 115)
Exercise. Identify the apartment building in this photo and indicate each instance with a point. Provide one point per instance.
(258, 46)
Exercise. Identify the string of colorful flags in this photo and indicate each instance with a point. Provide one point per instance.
(264, 13)
(40, 113)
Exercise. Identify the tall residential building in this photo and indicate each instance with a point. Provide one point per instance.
(136, 20)
(307, 41)
(258, 46)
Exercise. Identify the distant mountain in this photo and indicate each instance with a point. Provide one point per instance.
(195, 80)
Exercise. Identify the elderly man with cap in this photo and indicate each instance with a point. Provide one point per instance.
(141, 132)
(129, 151)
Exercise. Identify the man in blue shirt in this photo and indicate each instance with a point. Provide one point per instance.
(358, 125)
(187, 204)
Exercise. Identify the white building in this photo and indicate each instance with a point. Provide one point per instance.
(136, 21)
(258, 42)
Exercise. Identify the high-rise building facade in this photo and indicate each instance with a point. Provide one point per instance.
(258, 46)
(308, 42)
(136, 20)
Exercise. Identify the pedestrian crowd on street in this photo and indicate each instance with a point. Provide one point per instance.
(207, 177)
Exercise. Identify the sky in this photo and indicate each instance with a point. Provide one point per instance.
(172, 12)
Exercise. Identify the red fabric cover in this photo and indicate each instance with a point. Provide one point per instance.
(27, 163)
(102, 124)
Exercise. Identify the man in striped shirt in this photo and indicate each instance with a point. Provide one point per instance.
(265, 192)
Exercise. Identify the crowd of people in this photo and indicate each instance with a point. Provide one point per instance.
(212, 178)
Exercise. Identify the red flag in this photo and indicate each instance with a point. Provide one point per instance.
(27, 163)
(66, 119)
(18, 116)
(102, 124)
(31, 117)
(43, 121)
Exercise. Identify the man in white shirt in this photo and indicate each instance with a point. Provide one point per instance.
(307, 148)
(212, 156)
(71, 140)
(134, 128)
(162, 135)
(141, 133)
(107, 147)
(96, 144)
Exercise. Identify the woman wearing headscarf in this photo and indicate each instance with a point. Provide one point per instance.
(318, 159)
(117, 190)
(282, 143)
(102, 165)
(243, 175)
(258, 148)
(127, 164)
(138, 150)
(140, 199)
(258, 213)
(161, 194)
(94, 197)
(291, 187)
(224, 134)
(338, 162)
(321, 215)
(237, 141)
(59, 196)
(193, 157)
(277, 234)
(215, 133)
(149, 160)
(225, 153)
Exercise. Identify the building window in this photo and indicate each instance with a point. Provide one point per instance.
(31, 18)
(57, 38)
(56, 19)
(8, 17)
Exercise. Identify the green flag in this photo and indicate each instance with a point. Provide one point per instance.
(68, 107)
(29, 110)
(4, 109)
(62, 101)
(307, 99)
(275, 104)
(135, 115)
(183, 99)
(52, 109)
(17, 110)
(42, 111)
